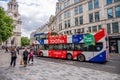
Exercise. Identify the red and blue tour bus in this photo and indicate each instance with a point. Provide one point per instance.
(91, 47)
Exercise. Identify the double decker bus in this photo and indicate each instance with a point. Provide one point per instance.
(82, 47)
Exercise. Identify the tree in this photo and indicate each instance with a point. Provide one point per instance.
(6, 26)
(25, 41)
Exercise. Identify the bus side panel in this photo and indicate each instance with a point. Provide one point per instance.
(99, 35)
(45, 52)
(88, 55)
(101, 57)
(69, 39)
(45, 41)
(76, 53)
(57, 53)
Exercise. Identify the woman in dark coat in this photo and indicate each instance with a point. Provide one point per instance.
(25, 57)
(13, 57)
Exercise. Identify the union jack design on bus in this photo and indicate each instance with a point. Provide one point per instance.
(73, 46)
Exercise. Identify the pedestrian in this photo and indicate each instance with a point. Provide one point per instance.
(17, 50)
(30, 56)
(38, 53)
(113, 49)
(25, 57)
(13, 57)
(6, 49)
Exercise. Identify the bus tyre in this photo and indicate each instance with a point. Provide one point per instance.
(41, 54)
(81, 58)
(69, 57)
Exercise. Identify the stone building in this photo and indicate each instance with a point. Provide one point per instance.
(73, 16)
(12, 11)
(43, 28)
(52, 24)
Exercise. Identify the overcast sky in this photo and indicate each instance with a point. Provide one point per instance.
(34, 13)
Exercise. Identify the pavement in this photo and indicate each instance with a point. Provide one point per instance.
(46, 70)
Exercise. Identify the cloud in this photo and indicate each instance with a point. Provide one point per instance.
(34, 13)
(3, 4)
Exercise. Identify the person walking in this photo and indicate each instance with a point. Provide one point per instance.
(113, 49)
(25, 57)
(6, 49)
(30, 56)
(13, 57)
(17, 50)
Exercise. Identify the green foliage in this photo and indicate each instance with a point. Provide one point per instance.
(6, 26)
(25, 41)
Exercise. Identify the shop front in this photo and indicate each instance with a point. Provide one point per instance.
(114, 41)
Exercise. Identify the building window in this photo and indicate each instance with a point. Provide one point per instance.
(115, 27)
(76, 21)
(59, 7)
(94, 28)
(108, 28)
(67, 24)
(76, 10)
(89, 29)
(96, 3)
(117, 11)
(67, 3)
(75, 31)
(82, 30)
(60, 18)
(116, 0)
(110, 13)
(78, 30)
(91, 17)
(81, 19)
(75, 1)
(15, 15)
(60, 26)
(99, 27)
(97, 16)
(80, 9)
(109, 1)
(67, 14)
(90, 6)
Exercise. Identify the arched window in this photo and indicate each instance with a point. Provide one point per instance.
(15, 15)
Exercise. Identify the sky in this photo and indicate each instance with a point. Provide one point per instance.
(34, 13)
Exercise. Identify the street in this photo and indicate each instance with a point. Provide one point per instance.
(59, 69)
(112, 66)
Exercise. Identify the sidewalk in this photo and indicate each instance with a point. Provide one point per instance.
(45, 70)
(116, 54)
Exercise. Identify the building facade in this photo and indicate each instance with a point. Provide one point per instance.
(12, 11)
(52, 24)
(82, 16)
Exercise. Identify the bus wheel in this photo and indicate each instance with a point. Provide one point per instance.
(69, 56)
(41, 54)
(81, 58)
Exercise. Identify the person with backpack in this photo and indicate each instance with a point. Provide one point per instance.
(13, 57)
(25, 57)
(30, 56)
